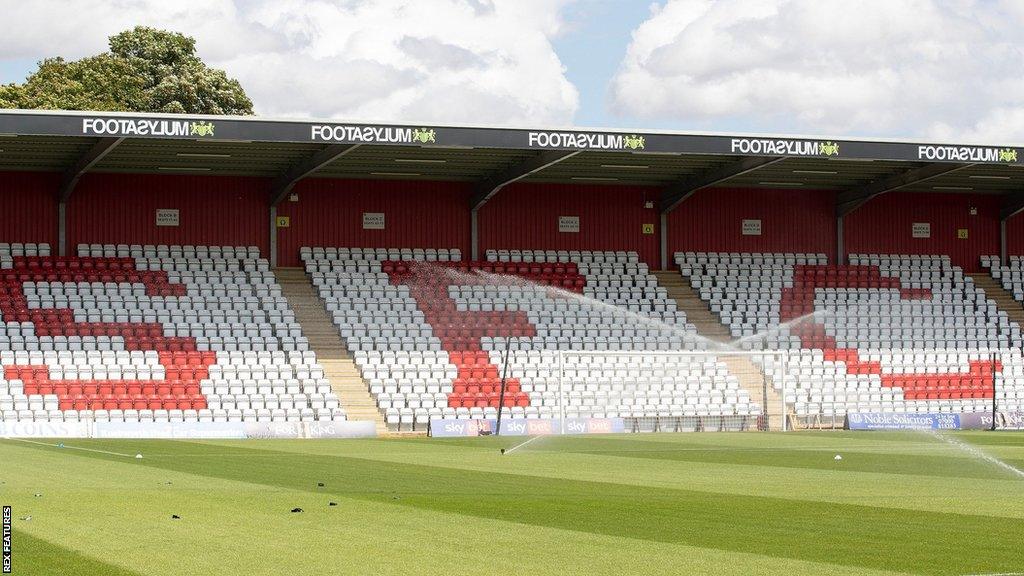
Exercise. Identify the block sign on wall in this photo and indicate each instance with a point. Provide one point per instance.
(569, 224)
(921, 230)
(168, 217)
(284, 221)
(373, 220)
(751, 227)
(648, 229)
(961, 233)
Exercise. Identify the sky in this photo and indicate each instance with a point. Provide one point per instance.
(936, 69)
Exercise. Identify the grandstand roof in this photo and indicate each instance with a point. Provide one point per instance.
(680, 162)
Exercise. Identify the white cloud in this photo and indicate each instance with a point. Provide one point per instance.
(439, 60)
(926, 68)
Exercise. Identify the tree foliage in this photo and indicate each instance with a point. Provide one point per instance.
(146, 70)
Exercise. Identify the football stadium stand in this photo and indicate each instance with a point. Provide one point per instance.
(884, 333)
(152, 271)
(152, 333)
(428, 331)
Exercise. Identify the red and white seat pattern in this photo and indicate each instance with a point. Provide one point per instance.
(428, 331)
(153, 333)
(884, 333)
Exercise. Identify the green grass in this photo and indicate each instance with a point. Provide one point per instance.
(710, 503)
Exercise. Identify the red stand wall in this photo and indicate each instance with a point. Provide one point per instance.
(416, 215)
(30, 207)
(883, 226)
(1014, 235)
(525, 216)
(214, 210)
(120, 209)
(791, 221)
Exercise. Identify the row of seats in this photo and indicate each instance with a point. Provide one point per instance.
(150, 330)
(884, 333)
(428, 335)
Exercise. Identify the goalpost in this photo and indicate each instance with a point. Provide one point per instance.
(672, 391)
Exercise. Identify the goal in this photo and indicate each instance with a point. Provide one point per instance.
(667, 391)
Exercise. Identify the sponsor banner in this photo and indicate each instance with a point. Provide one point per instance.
(168, 217)
(44, 429)
(902, 421)
(156, 127)
(1011, 420)
(187, 430)
(318, 429)
(586, 141)
(934, 421)
(751, 227)
(570, 224)
(456, 427)
(340, 429)
(921, 230)
(373, 220)
(976, 420)
(210, 128)
(190, 430)
(782, 147)
(272, 429)
(372, 134)
(967, 154)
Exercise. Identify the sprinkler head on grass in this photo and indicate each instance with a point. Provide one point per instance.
(175, 517)
(319, 484)
(296, 510)
(332, 503)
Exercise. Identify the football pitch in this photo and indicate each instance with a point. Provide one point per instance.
(712, 503)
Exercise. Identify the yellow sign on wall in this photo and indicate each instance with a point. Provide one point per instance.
(648, 229)
(284, 221)
(961, 233)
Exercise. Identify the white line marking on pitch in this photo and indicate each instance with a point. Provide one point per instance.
(72, 447)
(517, 446)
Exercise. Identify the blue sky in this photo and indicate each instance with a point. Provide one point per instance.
(591, 50)
(937, 69)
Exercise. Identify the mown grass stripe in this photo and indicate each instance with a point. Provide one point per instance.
(946, 462)
(851, 535)
(32, 556)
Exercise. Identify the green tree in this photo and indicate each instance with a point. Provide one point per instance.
(146, 70)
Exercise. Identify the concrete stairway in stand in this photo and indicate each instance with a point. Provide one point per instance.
(1003, 299)
(696, 310)
(326, 343)
(750, 376)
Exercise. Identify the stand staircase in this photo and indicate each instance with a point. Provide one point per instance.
(1003, 298)
(325, 341)
(750, 376)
